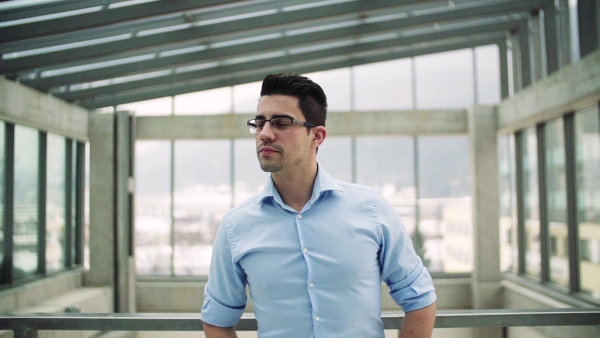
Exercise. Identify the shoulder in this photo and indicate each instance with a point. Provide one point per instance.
(248, 206)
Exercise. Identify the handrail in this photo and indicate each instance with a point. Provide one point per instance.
(27, 325)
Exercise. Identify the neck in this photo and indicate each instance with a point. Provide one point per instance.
(296, 189)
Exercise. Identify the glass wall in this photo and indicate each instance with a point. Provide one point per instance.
(26, 175)
(2, 199)
(556, 192)
(427, 178)
(533, 264)
(587, 143)
(551, 243)
(509, 255)
(55, 202)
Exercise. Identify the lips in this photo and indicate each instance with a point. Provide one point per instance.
(268, 150)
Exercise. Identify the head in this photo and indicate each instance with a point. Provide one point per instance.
(311, 98)
(302, 105)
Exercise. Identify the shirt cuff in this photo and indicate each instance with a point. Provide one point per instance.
(217, 314)
(420, 294)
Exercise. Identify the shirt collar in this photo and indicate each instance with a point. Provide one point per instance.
(323, 182)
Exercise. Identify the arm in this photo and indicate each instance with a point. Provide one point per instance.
(212, 331)
(418, 323)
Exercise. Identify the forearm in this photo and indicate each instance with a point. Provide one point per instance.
(212, 331)
(418, 323)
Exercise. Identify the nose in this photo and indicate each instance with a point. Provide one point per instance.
(267, 132)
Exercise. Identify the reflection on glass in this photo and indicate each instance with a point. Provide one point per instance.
(387, 164)
(533, 254)
(335, 156)
(444, 203)
(2, 135)
(249, 179)
(556, 189)
(444, 80)
(509, 253)
(74, 224)
(214, 101)
(587, 143)
(26, 202)
(383, 85)
(202, 196)
(153, 207)
(55, 202)
(488, 74)
(336, 84)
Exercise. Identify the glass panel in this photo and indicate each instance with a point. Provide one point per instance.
(74, 224)
(26, 202)
(509, 251)
(587, 143)
(383, 85)
(444, 80)
(214, 101)
(55, 202)
(488, 74)
(245, 97)
(160, 106)
(2, 158)
(444, 214)
(533, 254)
(201, 198)
(153, 207)
(556, 189)
(336, 84)
(248, 177)
(335, 157)
(86, 211)
(387, 164)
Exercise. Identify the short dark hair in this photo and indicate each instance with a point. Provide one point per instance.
(311, 98)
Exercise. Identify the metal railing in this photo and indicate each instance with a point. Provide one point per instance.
(27, 325)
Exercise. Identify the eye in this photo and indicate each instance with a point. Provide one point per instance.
(259, 123)
(282, 122)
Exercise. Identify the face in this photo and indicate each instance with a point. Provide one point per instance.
(289, 150)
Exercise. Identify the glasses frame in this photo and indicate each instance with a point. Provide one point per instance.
(253, 128)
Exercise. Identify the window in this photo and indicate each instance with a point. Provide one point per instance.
(26, 175)
(556, 195)
(55, 202)
(509, 254)
(587, 145)
(533, 260)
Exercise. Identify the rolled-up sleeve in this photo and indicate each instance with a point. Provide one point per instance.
(411, 285)
(224, 294)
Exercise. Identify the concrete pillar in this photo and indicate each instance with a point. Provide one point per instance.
(487, 291)
(110, 214)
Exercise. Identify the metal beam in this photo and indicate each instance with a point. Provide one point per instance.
(284, 58)
(104, 16)
(224, 80)
(274, 43)
(193, 33)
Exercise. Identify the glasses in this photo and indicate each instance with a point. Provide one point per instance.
(281, 123)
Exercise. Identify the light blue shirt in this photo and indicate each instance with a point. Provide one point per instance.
(318, 272)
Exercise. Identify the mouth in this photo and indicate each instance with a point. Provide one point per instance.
(266, 150)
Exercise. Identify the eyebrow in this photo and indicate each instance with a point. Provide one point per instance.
(274, 116)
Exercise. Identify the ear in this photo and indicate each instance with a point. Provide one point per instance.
(319, 135)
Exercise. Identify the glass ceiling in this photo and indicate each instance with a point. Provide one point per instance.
(99, 53)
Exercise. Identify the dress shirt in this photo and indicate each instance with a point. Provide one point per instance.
(317, 272)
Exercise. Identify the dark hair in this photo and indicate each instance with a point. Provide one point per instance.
(311, 98)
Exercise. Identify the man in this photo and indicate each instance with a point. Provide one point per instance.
(312, 250)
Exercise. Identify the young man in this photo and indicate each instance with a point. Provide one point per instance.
(311, 249)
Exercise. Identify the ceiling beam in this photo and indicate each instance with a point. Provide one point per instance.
(192, 33)
(117, 98)
(102, 17)
(284, 58)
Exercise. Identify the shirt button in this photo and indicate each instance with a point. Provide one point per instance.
(305, 250)
(299, 216)
(317, 318)
(312, 285)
